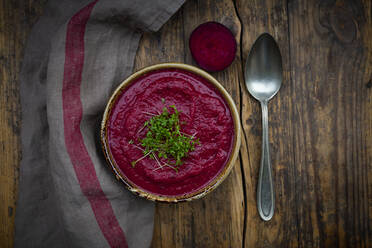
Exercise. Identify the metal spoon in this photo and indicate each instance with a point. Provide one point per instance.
(263, 78)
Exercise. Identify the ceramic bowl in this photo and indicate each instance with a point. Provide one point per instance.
(189, 196)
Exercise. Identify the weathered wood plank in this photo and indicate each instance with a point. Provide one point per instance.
(16, 20)
(258, 17)
(217, 220)
(330, 54)
(330, 67)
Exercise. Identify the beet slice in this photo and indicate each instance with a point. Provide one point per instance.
(213, 46)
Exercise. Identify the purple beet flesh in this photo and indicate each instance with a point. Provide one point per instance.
(213, 46)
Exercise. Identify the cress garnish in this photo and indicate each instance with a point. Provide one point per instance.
(164, 142)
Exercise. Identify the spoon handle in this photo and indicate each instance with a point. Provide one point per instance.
(265, 190)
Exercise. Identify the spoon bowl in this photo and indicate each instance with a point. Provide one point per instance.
(263, 70)
(263, 78)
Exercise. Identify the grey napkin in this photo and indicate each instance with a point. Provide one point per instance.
(77, 53)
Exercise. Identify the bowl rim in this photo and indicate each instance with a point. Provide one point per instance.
(221, 176)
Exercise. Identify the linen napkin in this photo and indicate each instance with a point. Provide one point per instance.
(76, 55)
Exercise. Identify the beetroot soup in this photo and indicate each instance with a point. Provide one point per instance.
(203, 115)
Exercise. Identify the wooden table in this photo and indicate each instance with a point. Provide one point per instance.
(320, 124)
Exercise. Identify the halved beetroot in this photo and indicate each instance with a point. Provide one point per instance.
(213, 46)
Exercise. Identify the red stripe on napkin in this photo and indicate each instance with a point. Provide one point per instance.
(72, 116)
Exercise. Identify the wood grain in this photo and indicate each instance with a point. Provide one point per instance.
(258, 17)
(330, 54)
(320, 124)
(16, 20)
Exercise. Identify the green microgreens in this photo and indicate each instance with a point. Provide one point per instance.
(164, 140)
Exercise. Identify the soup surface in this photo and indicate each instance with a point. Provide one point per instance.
(204, 114)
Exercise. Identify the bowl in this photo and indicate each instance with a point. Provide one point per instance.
(188, 196)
